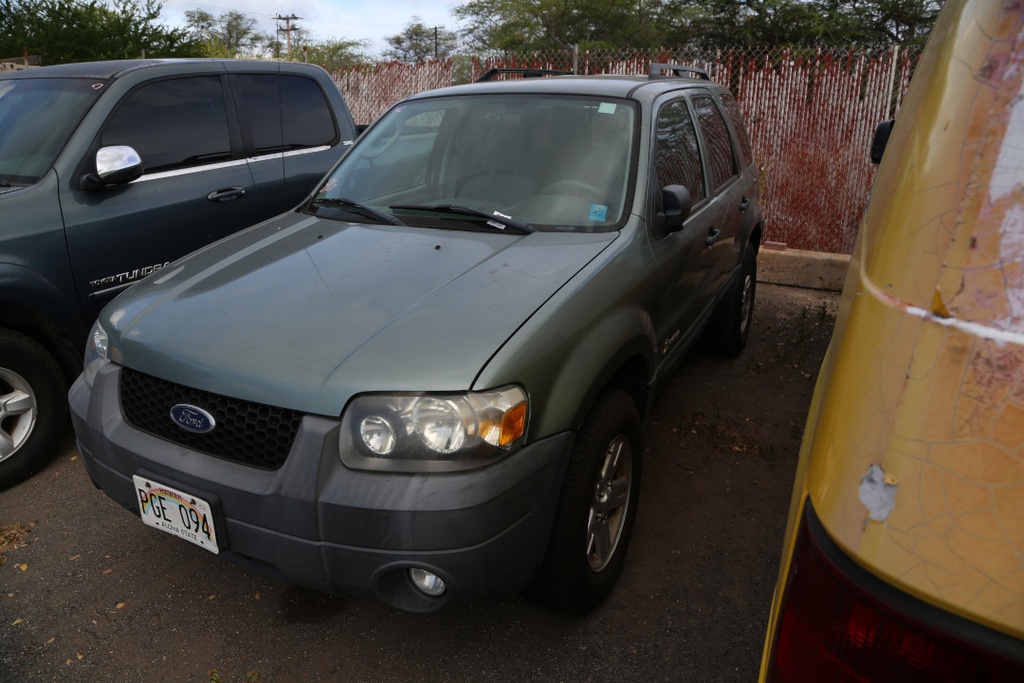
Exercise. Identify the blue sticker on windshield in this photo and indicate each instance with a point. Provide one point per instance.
(598, 212)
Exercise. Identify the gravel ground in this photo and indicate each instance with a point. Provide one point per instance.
(93, 595)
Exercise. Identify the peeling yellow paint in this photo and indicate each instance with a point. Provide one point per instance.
(925, 374)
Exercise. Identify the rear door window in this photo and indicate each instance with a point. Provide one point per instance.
(173, 124)
(732, 109)
(286, 113)
(720, 157)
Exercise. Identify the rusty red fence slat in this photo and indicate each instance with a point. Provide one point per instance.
(810, 115)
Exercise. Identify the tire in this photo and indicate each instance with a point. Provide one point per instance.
(595, 515)
(33, 407)
(730, 326)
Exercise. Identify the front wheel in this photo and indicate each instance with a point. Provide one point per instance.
(596, 511)
(33, 407)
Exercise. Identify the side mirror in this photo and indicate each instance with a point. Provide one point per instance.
(675, 207)
(116, 165)
(882, 133)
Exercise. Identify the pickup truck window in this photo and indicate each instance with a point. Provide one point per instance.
(677, 156)
(36, 118)
(286, 113)
(173, 124)
(721, 160)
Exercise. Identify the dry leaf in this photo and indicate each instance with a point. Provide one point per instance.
(69, 662)
(17, 621)
(23, 567)
(80, 655)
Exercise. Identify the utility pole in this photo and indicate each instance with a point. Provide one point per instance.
(288, 28)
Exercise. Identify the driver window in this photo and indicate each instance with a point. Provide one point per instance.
(677, 155)
(173, 124)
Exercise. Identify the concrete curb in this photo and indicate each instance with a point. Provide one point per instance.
(778, 265)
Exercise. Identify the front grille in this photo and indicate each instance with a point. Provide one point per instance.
(253, 434)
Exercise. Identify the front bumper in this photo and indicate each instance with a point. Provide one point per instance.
(355, 533)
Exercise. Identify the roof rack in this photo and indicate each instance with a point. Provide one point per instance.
(676, 70)
(525, 73)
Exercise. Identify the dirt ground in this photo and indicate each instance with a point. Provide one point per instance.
(90, 594)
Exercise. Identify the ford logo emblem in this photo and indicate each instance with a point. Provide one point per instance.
(192, 419)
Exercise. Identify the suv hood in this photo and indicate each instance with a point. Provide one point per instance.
(303, 313)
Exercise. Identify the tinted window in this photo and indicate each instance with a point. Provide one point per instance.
(307, 115)
(733, 110)
(304, 119)
(37, 116)
(173, 124)
(677, 159)
(721, 160)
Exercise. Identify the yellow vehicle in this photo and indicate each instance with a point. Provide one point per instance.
(904, 553)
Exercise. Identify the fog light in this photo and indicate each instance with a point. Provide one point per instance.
(429, 583)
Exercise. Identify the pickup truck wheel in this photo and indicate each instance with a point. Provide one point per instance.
(730, 327)
(33, 407)
(596, 512)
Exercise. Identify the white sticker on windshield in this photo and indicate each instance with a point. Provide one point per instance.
(606, 108)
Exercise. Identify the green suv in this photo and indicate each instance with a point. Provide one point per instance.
(427, 384)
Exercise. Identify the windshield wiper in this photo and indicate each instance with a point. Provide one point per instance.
(496, 220)
(356, 207)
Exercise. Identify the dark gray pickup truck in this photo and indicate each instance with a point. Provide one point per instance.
(111, 170)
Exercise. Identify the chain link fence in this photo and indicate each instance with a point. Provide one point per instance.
(811, 115)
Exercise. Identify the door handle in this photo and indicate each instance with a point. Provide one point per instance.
(226, 194)
(745, 204)
(713, 235)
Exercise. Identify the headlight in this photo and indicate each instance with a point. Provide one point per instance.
(432, 433)
(95, 353)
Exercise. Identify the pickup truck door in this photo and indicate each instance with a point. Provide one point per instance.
(293, 136)
(196, 188)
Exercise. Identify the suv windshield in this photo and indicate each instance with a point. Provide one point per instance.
(545, 162)
(36, 118)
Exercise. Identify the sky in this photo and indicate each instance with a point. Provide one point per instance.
(371, 20)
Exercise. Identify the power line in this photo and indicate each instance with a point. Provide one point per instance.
(288, 28)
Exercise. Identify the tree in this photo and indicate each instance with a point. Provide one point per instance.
(229, 35)
(418, 43)
(516, 25)
(87, 30)
(333, 54)
(520, 25)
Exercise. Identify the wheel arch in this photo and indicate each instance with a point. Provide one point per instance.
(34, 307)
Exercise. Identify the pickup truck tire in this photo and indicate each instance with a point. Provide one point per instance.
(595, 515)
(33, 407)
(730, 327)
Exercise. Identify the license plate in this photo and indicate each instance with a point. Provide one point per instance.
(176, 512)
